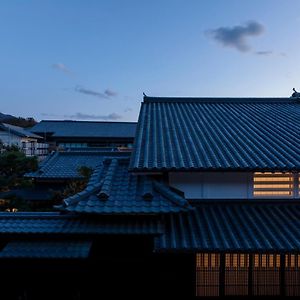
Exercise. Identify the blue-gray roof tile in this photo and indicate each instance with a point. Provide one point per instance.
(113, 190)
(86, 129)
(44, 224)
(19, 131)
(217, 134)
(245, 227)
(49, 249)
(65, 165)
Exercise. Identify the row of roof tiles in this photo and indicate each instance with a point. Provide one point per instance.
(19, 131)
(66, 165)
(233, 228)
(217, 227)
(85, 129)
(48, 249)
(217, 134)
(113, 190)
(43, 224)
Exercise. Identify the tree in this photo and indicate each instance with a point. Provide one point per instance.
(75, 186)
(21, 122)
(13, 165)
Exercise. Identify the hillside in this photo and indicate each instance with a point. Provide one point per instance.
(4, 117)
(17, 121)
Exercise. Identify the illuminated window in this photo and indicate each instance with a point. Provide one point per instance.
(292, 274)
(242, 274)
(207, 274)
(266, 275)
(273, 184)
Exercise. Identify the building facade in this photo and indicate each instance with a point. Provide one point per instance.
(28, 142)
(237, 162)
(86, 134)
(206, 205)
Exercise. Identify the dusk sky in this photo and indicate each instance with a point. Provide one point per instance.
(92, 60)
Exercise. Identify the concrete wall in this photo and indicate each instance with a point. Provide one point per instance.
(213, 185)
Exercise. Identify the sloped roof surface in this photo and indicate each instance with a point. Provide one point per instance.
(65, 165)
(234, 227)
(46, 249)
(19, 131)
(218, 134)
(113, 190)
(44, 224)
(86, 129)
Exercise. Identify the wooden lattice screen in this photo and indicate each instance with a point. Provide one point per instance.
(241, 274)
(292, 275)
(207, 274)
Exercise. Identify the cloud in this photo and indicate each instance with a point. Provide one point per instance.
(63, 68)
(236, 37)
(264, 53)
(50, 115)
(110, 93)
(81, 116)
(107, 94)
(128, 109)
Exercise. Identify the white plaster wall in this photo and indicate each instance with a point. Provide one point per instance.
(10, 139)
(213, 185)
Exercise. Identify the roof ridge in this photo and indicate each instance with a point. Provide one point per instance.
(93, 185)
(107, 182)
(86, 121)
(170, 195)
(148, 99)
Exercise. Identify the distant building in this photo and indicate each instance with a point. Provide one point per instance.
(86, 134)
(31, 144)
(59, 169)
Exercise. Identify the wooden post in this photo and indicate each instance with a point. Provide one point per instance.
(282, 275)
(222, 275)
(250, 275)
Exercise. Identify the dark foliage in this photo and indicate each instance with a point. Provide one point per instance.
(13, 165)
(21, 122)
(75, 186)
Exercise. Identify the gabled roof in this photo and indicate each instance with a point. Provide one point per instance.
(65, 165)
(260, 134)
(113, 190)
(19, 131)
(86, 129)
(244, 227)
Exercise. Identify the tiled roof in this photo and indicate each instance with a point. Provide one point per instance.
(234, 227)
(65, 165)
(46, 249)
(218, 134)
(45, 224)
(86, 129)
(19, 131)
(113, 190)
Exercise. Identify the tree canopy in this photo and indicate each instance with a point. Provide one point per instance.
(13, 165)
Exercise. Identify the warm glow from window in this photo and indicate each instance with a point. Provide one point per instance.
(273, 184)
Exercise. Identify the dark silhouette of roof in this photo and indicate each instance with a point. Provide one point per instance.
(86, 129)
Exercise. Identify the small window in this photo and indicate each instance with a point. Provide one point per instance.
(273, 184)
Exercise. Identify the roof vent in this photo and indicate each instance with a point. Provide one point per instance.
(295, 94)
